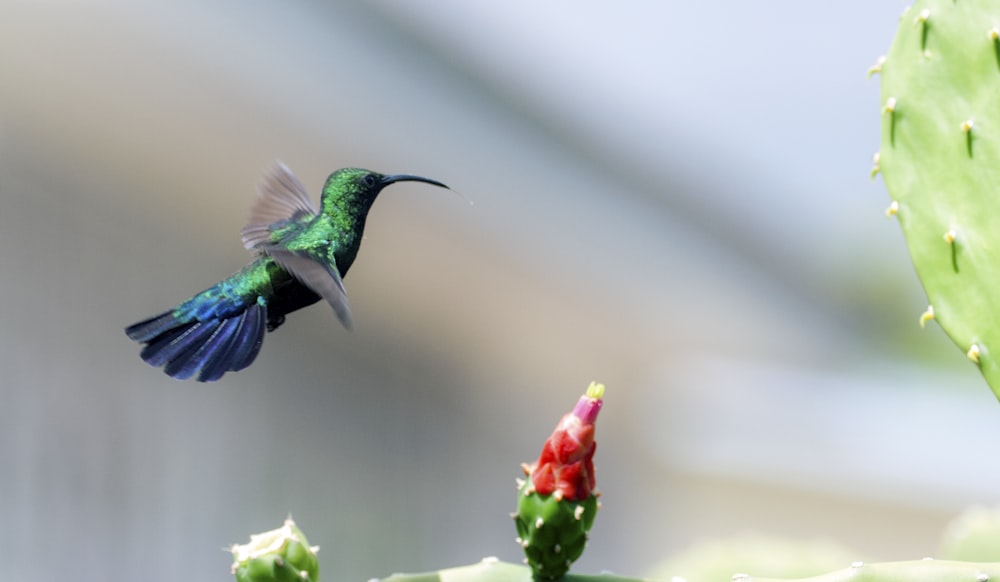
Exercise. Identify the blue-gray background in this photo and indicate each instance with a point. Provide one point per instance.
(670, 197)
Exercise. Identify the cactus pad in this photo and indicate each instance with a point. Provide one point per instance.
(973, 536)
(940, 159)
(493, 570)
(280, 555)
(917, 571)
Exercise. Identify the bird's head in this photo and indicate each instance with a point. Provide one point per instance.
(355, 189)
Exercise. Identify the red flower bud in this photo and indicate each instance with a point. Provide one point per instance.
(565, 468)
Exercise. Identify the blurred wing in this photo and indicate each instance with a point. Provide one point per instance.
(281, 199)
(324, 281)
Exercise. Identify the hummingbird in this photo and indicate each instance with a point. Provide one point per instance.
(301, 254)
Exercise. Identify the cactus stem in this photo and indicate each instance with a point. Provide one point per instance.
(890, 109)
(892, 210)
(967, 130)
(877, 67)
(927, 316)
(973, 353)
(921, 20)
(875, 165)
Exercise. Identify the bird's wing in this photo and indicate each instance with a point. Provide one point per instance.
(281, 201)
(324, 280)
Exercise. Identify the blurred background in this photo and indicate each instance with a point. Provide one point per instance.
(672, 198)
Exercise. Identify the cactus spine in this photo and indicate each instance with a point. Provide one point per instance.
(940, 159)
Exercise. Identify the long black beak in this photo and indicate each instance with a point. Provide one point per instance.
(386, 180)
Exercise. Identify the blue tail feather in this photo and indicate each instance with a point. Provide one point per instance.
(218, 361)
(151, 328)
(150, 353)
(212, 347)
(172, 345)
(186, 363)
(247, 343)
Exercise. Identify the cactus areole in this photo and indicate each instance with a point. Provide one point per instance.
(557, 502)
(940, 160)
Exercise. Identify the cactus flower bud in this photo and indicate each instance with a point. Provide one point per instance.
(280, 555)
(557, 502)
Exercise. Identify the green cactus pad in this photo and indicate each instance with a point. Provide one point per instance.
(973, 536)
(280, 555)
(916, 571)
(493, 570)
(776, 557)
(552, 530)
(940, 159)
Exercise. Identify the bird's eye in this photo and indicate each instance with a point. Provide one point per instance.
(370, 180)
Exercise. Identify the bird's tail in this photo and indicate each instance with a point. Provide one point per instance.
(185, 345)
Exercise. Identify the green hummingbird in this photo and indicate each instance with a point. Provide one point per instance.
(301, 254)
